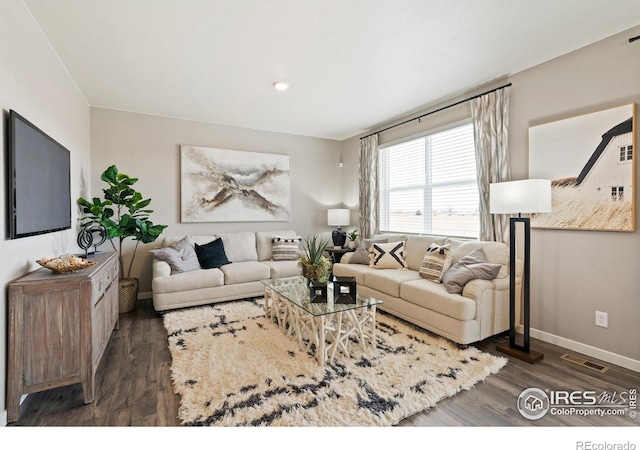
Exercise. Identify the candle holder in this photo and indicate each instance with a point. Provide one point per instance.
(344, 290)
(318, 292)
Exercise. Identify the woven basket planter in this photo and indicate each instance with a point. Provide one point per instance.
(127, 295)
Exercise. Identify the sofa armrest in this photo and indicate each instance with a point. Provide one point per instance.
(475, 288)
(492, 303)
(160, 268)
(346, 258)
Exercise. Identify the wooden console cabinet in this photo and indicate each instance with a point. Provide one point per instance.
(59, 327)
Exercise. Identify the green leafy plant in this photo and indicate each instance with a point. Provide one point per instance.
(123, 213)
(315, 266)
(353, 235)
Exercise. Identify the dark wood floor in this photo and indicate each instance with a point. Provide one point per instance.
(134, 388)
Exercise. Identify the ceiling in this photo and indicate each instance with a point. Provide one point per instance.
(351, 64)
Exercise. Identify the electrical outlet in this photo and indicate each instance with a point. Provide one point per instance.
(602, 319)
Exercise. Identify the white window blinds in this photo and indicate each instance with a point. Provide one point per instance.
(429, 185)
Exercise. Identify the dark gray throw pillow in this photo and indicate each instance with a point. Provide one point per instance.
(212, 254)
(361, 255)
(470, 267)
(180, 256)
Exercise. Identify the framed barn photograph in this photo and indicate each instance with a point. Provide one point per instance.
(590, 161)
(219, 185)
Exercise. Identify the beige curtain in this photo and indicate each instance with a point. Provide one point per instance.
(368, 180)
(490, 114)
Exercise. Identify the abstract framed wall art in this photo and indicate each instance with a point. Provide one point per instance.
(590, 161)
(219, 185)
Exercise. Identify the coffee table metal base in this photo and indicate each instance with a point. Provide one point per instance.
(327, 334)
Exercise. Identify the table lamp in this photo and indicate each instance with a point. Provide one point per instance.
(338, 218)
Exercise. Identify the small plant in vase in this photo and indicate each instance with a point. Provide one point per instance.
(353, 235)
(314, 266)
(123, 214)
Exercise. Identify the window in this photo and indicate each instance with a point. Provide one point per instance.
(429, 185)
(626, 153)
(617, 193)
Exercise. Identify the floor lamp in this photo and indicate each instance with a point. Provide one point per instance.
(520, 197)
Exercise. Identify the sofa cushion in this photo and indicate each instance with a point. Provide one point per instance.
(180, 256)
(388, 280)
(195, 239)
(211, 255)
(240, 246)
(188, 281)
(416, 247)
(282, 269)
(391, 237)
(436, 262)
(264, 245)
(469, 267)
(286, 248)
(361, 255)
(387, 256)
(351, 270)
(246, 271)
(434, 296)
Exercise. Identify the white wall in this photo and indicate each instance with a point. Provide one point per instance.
(574, 273)
(148, 147)
(34, 83)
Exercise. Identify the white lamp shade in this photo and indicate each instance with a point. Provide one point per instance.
(338, 217)
(523, 196)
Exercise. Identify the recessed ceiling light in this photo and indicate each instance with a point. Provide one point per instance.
(281, 85)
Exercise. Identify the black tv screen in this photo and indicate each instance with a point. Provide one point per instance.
(39, 178)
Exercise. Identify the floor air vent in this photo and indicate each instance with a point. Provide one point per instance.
(585, 363)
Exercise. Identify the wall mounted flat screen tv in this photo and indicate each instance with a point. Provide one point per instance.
(39, 181)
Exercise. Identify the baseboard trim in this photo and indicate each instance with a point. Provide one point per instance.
(594, 352)
(144, 295)
(3, 419)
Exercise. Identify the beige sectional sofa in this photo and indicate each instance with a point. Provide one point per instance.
(481, 310)
(251, 257)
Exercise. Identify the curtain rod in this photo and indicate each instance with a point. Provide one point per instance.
(437, 110)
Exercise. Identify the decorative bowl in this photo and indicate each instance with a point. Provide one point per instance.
(65, 263)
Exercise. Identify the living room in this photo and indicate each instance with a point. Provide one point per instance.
(568, 267)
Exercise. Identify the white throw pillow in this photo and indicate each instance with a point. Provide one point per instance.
(387, 256)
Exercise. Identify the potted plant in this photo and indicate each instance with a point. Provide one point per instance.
(124, 215)
(314, 265)
(353, 235)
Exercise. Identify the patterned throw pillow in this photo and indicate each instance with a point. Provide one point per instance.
(181, 256)
(436, 262)
(387, 256)
(286, 248)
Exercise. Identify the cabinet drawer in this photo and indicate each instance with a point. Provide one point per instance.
(98, 327)
(102, 280)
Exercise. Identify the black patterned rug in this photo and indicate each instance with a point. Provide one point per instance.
(231, 366)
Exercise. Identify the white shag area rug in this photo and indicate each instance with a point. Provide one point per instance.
(231, 366)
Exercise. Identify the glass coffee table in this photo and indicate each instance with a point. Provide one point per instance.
(323, 328)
